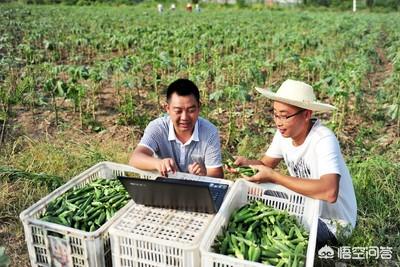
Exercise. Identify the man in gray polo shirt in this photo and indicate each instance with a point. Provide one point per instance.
(181, 141)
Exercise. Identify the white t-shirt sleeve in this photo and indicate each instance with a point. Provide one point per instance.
(275, 150)
(328, 155)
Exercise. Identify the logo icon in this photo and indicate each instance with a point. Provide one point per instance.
(137, 184)
(326, 252)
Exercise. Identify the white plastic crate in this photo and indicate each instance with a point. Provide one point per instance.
(49, 243)
(147, 236)
(304, 208)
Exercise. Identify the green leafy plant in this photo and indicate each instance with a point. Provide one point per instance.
(4, 259)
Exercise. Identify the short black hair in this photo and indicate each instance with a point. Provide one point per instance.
(183, 87)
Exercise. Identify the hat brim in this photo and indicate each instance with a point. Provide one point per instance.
(314, 106)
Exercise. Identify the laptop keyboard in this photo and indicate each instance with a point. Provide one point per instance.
(218, 191)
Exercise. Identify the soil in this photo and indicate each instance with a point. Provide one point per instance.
(42, 121)
(18, 251)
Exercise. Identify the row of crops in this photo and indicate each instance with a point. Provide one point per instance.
(57, 52)
(60, 60)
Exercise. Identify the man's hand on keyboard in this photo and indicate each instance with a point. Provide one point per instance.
(197, 169)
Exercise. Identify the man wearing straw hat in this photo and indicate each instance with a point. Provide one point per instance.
(312, 155)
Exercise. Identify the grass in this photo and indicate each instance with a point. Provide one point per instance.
(64, 156)
(61, 157)
(376, 180)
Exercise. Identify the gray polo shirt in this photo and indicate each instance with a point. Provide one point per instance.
(203, 146)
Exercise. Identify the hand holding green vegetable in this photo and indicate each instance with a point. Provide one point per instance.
(263, 174)
(237, 167)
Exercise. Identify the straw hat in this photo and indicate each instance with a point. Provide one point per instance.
(297, 94)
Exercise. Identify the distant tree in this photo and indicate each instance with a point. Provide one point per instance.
(320, 2)
(390, 4)
(370, 3)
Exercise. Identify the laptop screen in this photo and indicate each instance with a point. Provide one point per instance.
(176, 194)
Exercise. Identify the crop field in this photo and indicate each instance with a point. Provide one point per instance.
(78, 85)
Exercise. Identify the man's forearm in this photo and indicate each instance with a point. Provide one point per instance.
(215, 172)
(254, 162)
(323, 189)
(144, 162)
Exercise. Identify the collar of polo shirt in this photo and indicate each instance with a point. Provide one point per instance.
(194, 137)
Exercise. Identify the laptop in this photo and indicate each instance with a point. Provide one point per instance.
(170, 193)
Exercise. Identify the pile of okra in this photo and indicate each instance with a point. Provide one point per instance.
(260, 233)
(87, 208)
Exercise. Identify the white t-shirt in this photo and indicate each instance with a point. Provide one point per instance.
(319, 155)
